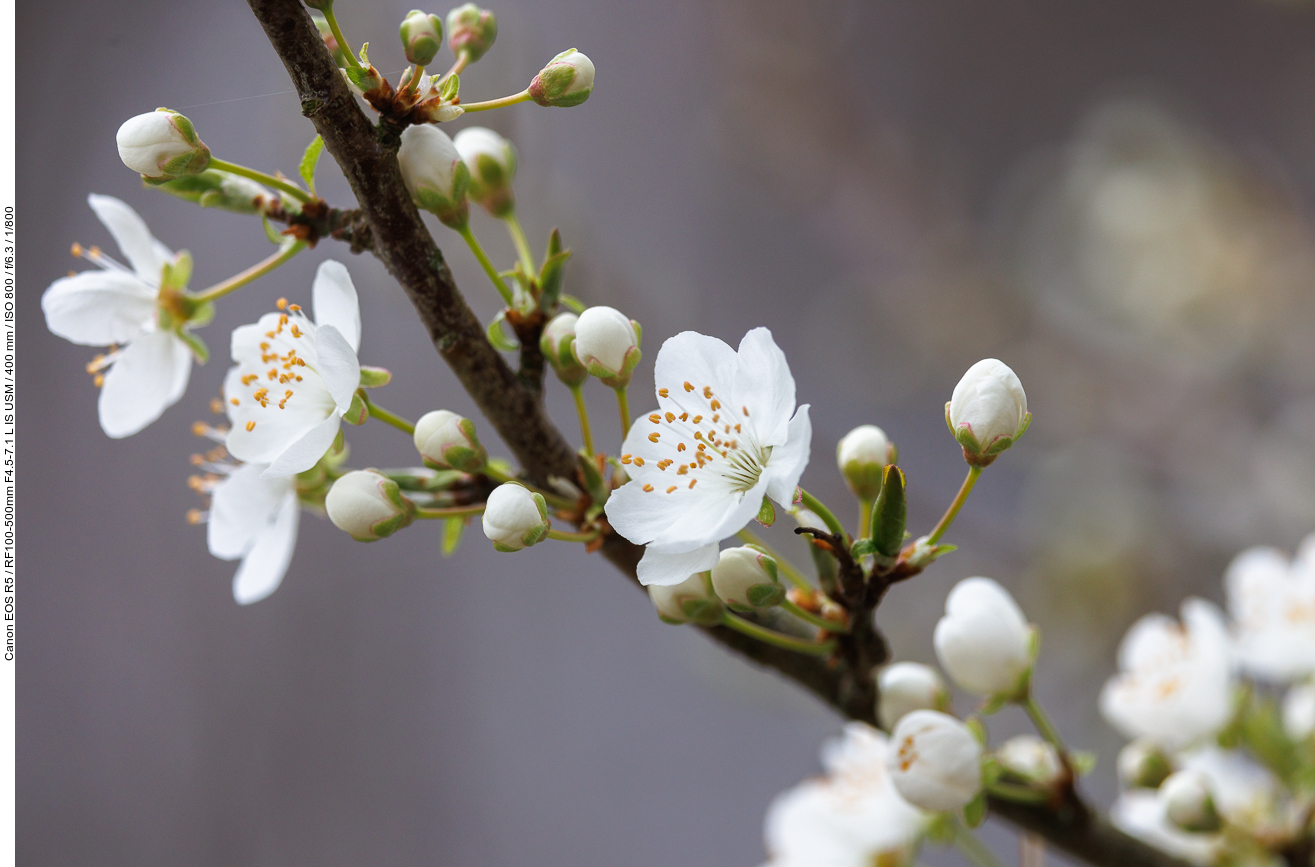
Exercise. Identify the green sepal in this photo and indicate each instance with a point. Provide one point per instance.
(450, 88)
(176, 273)
(274, 235)
(202, 315)
(309, 160)
(991, 771)
(766, 513)
(498, 336)
(594, 483)
(704, 612)
(974, 814)
(994, 704)
(365, 77)
(374, 377)
(452, 529)
(554, 244)
(199, 350)
(358, 412)
(550, 279)
(941, 829)
(889, 513)
(765, 595)
(978, 728)
(571, 303)
(862, 548)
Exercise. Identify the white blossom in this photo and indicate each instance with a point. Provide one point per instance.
(935, 761)
(1140, 813)
(852, 817)
(368, 506)
(1187, 801)
(1175, 684)
(294, 378)
(745, 579)
(515, 517)
(908, 686)
(1031, 758)
(692, 600)
(434, 174)
(161, 144)
(254, 519)
(1272, 602)
(984, 642)
(725, 435)
(116, 306)
(988, 409)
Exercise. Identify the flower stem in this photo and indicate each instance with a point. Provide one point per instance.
(814, 505)
(623, 404)
(864, 518)
(1043, 724)
(502, 478)
(1017, 793)
(973, 850)
(389, 418)
(522, 244)
(497, 103)
(450, 512)
(959, 499)
(787, 642)
(582, 410)
(793, 574)
(457, 67)
(412, 85)
(813, 619)
(473, 243)
(586, 537)
(260, 269)
(269, 180)
(340, 39)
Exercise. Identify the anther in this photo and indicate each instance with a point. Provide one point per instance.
(671, 416)
(281, 304)
(216, 405)
(670, 489)
(662, 392)
(689, 387)
(684, 469)
(707, 391)
(251, 425)
(697, 419)
(691, 482)
(745, 410)
(653, 437)
(648, 489)
(639, 462)
(234, 401)
(76, 249)
(655, 418)
(195, 516)
(295, 308)
(98, 380)
(680, 448)
(625, 459)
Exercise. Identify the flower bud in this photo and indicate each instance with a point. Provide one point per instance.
(746, 580)
(987, 411)
(491, 160)
(556, 345)
(515, 517)
(934, 761)
(447, 441)
(320, 5)
(434, 174)
(1032, 759)
(471, 30)
(691, 601)
(607, 344)
(1299, 711)
(1143, 765)
(984, 642)
(422, 36)
(567, 80)
(862, 455)
(1188, 803)
(908, 686)
(216, 189)
(368, 506)
(161, 144)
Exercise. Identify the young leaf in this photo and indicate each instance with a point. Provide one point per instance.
(452, 528)
(308, 162)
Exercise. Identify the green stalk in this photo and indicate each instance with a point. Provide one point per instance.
(497, 103)
(450, 512)
(786, 642)
(269, 180)
(522, 244)
(813, 619)
(814, 505)
(973, 850)
(387, 417)
(623, 404)
(473, 243)
(260, 269)
(587, 536)
(582, 410)
(955, 505)
(341, 40)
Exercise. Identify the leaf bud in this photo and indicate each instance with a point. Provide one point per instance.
(567, 80)
(607, 344)
(491, 161)
(434, 174)
(422, 37)
(447, 441)
(160, 145)
(368, 506)
(471, 30)
(691, 601)
(515, 517)
(746, 579)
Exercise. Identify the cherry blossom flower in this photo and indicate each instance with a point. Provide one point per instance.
(254, 518)
(147, 367)
(726, 435)
(294, 378)
(1141, 814)
(1272, 601)
(852, 817)
(1176, 681)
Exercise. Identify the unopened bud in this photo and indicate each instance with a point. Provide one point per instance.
(984, 641)
(447, 441)
(607, 344)
(491, 160)
(1188, 803)
(934, 761)
(1143, 765)
(515, 517)
(862, 455)
(320, 5)
(161, 144)
(691, 601)
(471, 30)
(368, 506)
(1032, 759)
(434, 174)
(422, 36)
(987, 411)
(567, 80)
(905, 687)
(556, 345)
(746, 579)
(216, 189)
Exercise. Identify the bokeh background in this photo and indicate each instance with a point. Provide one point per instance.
(1112, 197)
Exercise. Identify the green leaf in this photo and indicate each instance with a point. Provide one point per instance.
(498, 335)
(274, 236)
(766, 513)
(309, 160)
(975, 813)
(594, 483)
(452, 528)
(451, 87)
(573, 304)
(550, 279)
(889, 513)
(862, 548)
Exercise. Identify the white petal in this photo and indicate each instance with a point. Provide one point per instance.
(97, 308)
(263, 568)
(787, 462)
(305, 452)
(337, 365)
(764, 385)
(242, 507)
(145, 254)
(697, 359)
(147, 378)
(335, 302)
(665, 570)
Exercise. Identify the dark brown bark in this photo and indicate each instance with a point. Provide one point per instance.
(368, 157)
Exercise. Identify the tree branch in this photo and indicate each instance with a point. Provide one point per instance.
(368, 157)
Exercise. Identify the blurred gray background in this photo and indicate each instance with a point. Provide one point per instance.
(1112, 197)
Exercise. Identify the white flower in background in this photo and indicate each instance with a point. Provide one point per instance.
(1143, 765)
(117, 306)
(1188, 802)
(935, 761)
(1140, 813)
(852, 817)
(1272, 602)
(607, 344)
(515, 517)
(1175, 684)
(725, 435)
(988, 410)
(567, 80)
(862, 455)
(1245, 793)
(293, 379)
(984, 642)
(908, 686)
(1031, 758)
(254, 519)
(1299, 711)
(368, 506)
(161, 144)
